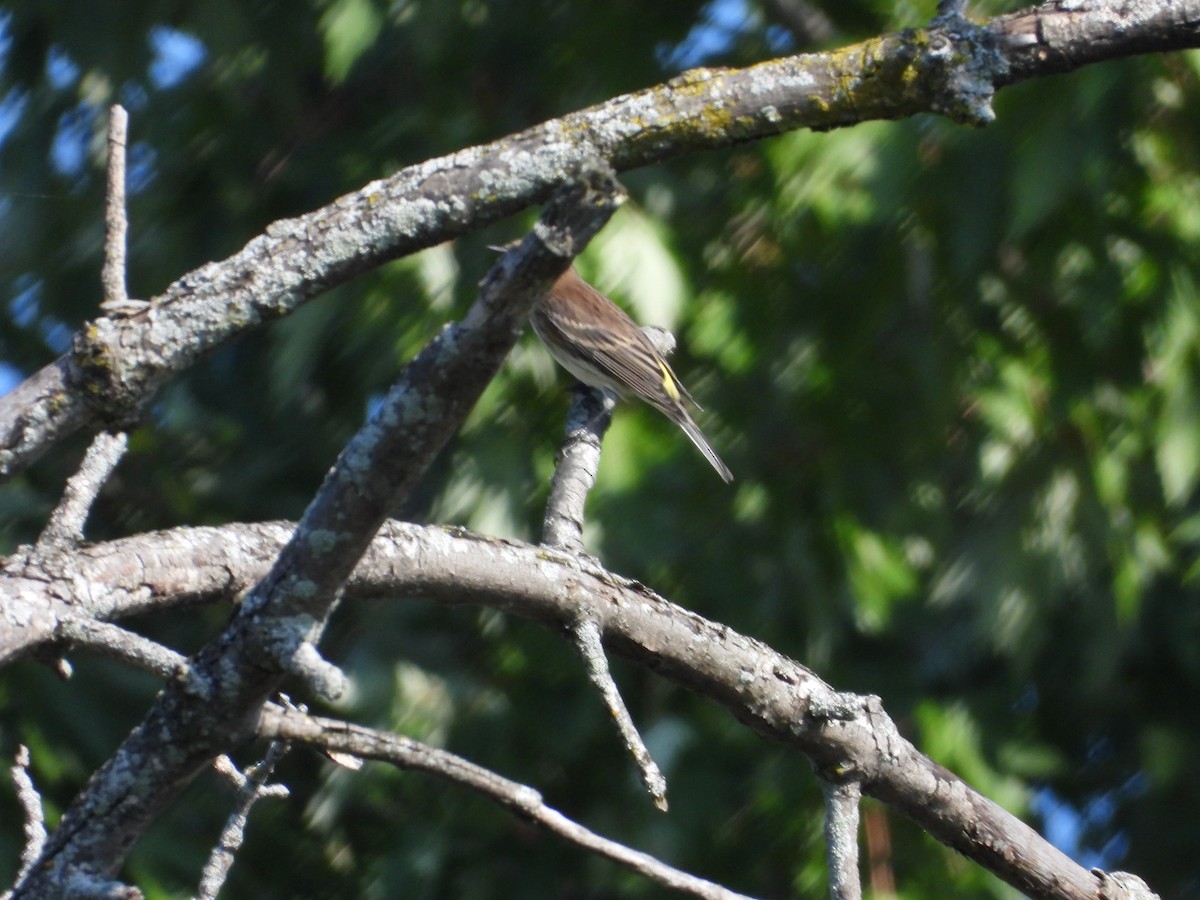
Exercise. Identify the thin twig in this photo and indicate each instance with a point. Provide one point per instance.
(113, 276)
(116, 222)
(31, 805)
(578, 461)
(374, 474)
(588, 419)
(406, 753)
(586, 637)
(252, 786)
(777, 697)
(118, 643)
(65, 528)
(842, 800)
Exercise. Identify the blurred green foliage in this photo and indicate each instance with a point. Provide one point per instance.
(955, 373)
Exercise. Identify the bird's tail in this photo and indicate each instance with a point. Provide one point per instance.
(684, 420)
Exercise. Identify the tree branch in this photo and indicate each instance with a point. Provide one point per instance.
(842, 799)
(118, 364)
(31, 806)
(285, 612)
(125, 646)
(844, 735)
(65, 527)
(588, 418)
(251, 787)
(586, 638)
(342, 737)
(116, 222)
(1063, 37)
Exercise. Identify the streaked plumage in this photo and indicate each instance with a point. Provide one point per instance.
(597, 342)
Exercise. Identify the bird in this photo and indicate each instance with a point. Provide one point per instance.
(597, 342)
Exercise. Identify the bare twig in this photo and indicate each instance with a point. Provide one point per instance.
(562, 528)
(121, 644)
(116, 300)
(890, 77)
(31, 805)
(773, 695)
(116, 222)
(227, 768)
(286, 610)
(318, 673)
(343, 737)
(588, 419)
(252, 786)
(65, 528)
(842, 801)
(578, 462)
(586, 636)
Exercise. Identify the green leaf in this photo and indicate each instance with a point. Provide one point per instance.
(349, 28)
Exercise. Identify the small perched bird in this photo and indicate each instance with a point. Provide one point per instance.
(593, 339)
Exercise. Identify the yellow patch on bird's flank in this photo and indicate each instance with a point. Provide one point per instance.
(669, 383)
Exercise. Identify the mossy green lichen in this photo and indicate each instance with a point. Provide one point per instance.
(59, 401)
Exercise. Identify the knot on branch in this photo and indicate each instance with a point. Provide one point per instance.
(109, 387)
(961, 62)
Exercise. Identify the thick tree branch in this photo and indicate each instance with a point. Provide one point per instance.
(192, 721)
(1063, 37)
(846, 736)
(118, 364)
